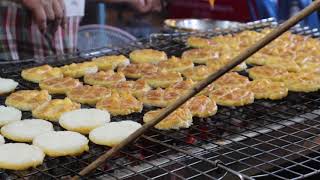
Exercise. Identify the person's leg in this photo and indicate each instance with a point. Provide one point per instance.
(284, 9)
(312, 20)
(20, 37)
(8, 46)
(266, 8)
(62, 41)
(25, 47)
(70, 34)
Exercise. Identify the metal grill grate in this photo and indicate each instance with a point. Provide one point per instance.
(268, 139)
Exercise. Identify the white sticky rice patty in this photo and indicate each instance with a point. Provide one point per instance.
(84, 120)
(113, 133)
(9, 115)
(26, 130)
(62, 143)
(7, 85)
(20, 156)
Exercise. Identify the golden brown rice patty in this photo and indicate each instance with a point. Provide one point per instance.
(202, 106)
(137, 88)
(162, 79)
(283, 63)
(79, 70)
(111, 62)
(267, 89)
(53, 109)
(180, 118)
(175, 64)
(147, 56)
(120, 104)
(182, 86)
(88, 94)
(232, 79)
(207, 90)
(106, 79)
(27, 100)
(232, 96)
(159, 97)
(60, 85)
(199, 56)
(41, 73)
(302, 82)
(216, 65)
(267, 72)
(198, 73)
(136, 71)
(198, 42)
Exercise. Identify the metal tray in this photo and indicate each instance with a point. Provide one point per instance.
(202, 25)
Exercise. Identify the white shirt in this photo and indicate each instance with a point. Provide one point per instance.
(74, 7)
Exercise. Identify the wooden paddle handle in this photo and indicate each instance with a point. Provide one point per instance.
(200, 86)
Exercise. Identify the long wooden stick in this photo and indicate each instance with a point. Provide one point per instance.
(236, 61)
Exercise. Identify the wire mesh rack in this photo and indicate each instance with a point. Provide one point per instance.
(265, 140)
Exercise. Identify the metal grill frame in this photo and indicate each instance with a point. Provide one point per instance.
(268, 139)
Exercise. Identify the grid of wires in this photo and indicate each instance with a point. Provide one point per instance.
(268, 139)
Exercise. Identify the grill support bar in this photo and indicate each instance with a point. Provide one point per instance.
(199, 87)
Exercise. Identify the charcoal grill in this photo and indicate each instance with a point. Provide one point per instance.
(265, 140)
